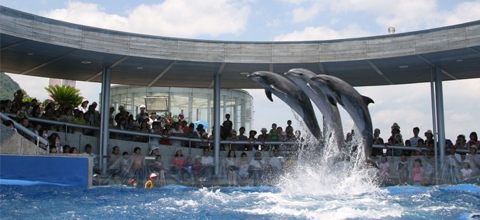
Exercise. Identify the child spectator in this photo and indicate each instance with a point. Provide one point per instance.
(283, 136)
(430, 171)
(418, 173)
(188, 170)
(402, 168)
(227, 126)
(177, 165)
(133, 182)
(66, 149)
(73, 150)
(151, 183)
(197, 168)
(243, 164)
(384, 170)
(53, 150)
(137, 163)
(274, 133)
(231, 168)
(114, 181)
(165, 136)
(466, 172)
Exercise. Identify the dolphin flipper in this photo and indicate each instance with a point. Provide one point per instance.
(339, 98)
(278, 90)
(367, 100)
(269, 95)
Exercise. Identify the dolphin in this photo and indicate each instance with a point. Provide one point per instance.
(355, 104)
(287, 91)
(326, 105)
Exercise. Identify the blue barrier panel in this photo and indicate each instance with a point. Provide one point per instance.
(66, 171)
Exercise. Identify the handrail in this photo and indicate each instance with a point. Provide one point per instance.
(23, 129)
(114, 130)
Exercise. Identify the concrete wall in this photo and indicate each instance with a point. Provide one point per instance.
(13, 143)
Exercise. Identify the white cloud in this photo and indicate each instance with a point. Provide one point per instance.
(323, 33)
(464, 12)
(301, 14)
(173, 18)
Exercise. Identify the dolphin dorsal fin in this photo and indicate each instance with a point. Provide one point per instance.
(367, 100)
(269, 94)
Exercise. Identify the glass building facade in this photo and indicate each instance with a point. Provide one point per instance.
(195, 103)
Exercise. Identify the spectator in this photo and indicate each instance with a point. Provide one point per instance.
(289, 125)
(115, 181)
(157, 166)
(18, 97)
(155, 130)
(274, 133)
(453, 163)
(227, 127)
(66, 149)
(466, 172)
(177, 165)
(152, 182)
(242, 137)
(84, 106)
(137, 164)
(378, 141)
(231, 168)
(233, 137)
(415, 138)
(197, 168)
(81, 121)
(473, 140)
(54, 142)
(256, 168)
(384, 170)
(396, 140)
(181, 117)
(402, 168)
(73, 150)
(88, 151)
(243, 164)
(290, 134)
(207, 165)
(461, 142)
(142, 114)
(22, 112)
(474, 158)
(153, 151)
(418, 173)
(276, 162)
(176, 131)
(185, 127)
(430, 170)
(152, 118)
(165, 136)
(429, 139)
(191, 133)
(121, 111)
(283, 137)
(264, 137)
(251, 140)
(188, 171)
(115, 162)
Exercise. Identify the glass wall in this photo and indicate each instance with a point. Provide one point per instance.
(195, 103)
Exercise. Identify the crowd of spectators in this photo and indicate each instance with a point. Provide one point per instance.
(417, 156)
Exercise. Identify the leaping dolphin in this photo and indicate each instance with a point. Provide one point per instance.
(287, 91)
(326, 105)
(355, 104)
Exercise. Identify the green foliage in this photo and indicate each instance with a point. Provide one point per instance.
(8, 87)
(28, 98)
(65, 94)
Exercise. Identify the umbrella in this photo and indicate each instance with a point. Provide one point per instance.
(204, 123)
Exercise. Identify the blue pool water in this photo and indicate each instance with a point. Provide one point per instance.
(178, 202)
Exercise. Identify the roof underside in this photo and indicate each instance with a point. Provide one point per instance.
(57, 53)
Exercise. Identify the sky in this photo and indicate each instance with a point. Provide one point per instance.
(287, 20)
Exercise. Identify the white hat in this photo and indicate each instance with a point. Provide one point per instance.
(196, 157)
(474, 147)
(153, 148)
(264, 129)
(181, 113)
(429, 132)
(466, 161)
(153, 175)
(142, 106)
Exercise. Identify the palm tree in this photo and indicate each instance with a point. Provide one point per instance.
(65, 94)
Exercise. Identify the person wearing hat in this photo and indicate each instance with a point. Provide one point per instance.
(264, 137)
(429, 139)
(153, 151)
(143, 114)
(233, 137)
(181, 118)
(474, 157)
(152, 182)
(251, 140)
(84, 106)
(466, 172)
(133, 182)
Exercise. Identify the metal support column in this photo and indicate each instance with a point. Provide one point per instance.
(216, 121)
(434, 120)
(440, 114)
(235, 115)
(190, 106)
(105, 111)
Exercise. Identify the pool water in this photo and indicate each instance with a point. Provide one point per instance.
(178, 202)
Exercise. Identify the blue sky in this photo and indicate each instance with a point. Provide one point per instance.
(287, 20)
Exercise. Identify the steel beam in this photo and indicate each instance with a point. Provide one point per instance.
(105, 111)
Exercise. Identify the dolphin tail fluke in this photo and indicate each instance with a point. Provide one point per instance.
(269, 95)
(367, 100)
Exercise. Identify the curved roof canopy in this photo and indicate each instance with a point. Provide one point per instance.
(39, 46)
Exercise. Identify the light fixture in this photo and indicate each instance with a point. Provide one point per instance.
(139, 68)
(86, 62)
(244, 73)
(403, 66)
(30, 54)
(459, 60)
(391, 30)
